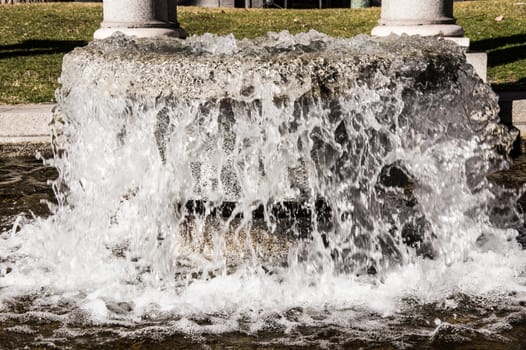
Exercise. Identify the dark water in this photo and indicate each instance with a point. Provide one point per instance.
(418, 327)
(475, 323)
(24, 189)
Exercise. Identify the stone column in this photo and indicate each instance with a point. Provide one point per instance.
(427, 18)
(420, 17)
(142, 18)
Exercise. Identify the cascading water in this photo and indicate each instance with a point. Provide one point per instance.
(280, 182)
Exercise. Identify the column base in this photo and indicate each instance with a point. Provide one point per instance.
(461, 41)
(447, 30)
(103, 33)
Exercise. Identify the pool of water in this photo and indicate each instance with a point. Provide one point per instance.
(25, 190)
(491, 321)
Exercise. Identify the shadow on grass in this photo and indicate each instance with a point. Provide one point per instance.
(495, 43)
(39, 47)
(506, 55)
(501, 51)
(498, 53)
(519, 85)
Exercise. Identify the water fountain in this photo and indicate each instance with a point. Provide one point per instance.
(216, 185)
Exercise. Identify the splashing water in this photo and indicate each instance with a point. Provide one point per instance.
(247, 180)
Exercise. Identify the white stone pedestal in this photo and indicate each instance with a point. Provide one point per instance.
(142, 18)
(422, 17)
(479, 61)
(427, 18)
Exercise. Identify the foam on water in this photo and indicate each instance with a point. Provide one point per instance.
(394, 137)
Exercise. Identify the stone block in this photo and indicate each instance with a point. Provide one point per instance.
(24, 130)
(461, 41)
(259, 124)
(479, 61)
(29, 123)
(513, 110)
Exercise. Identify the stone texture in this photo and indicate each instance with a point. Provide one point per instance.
(163, 128)
(233, 84)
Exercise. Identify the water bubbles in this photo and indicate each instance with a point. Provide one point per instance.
(242, 179)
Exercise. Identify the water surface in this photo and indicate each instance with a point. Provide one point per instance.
(460, 321)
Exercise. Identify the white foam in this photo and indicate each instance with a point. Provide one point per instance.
(119, 237)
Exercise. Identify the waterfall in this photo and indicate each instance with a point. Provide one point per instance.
(245, 178)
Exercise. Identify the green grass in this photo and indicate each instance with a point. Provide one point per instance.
(504, 41)
(34, 37)
(33, 40)
(250, 23)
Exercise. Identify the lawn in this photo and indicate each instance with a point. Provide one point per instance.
(34, 37)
